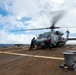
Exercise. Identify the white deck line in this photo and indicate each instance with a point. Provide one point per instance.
(30, 55)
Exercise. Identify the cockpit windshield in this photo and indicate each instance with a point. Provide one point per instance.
(41, 36)
(44, 36)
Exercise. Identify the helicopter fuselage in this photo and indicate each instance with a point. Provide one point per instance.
(54, 36)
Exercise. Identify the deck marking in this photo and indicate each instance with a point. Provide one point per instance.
(29, 55)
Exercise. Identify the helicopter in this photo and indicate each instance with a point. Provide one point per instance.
(56, 37)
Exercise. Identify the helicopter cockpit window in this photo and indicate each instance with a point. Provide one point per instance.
(48, 36)
(41, 36)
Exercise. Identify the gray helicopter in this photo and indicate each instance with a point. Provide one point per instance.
(56, 38)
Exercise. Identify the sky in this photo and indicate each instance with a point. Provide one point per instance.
(28, 14)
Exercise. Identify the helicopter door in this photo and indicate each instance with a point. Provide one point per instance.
(54, 39)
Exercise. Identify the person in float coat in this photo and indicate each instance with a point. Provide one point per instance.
(32, 44)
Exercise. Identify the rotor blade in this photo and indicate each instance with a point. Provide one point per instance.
(67, 27)
(56, 16)
(31, 29)
(37, 29)
(53, 27)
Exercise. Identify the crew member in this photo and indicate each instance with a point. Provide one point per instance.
(47, 43)
(32, 44)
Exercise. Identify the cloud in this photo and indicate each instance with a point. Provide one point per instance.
(28, 8)
(6, 5)
(10, 22)
(14, 39)
(23, 14)
(57, 1)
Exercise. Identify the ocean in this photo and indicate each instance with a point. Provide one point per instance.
(11, 45)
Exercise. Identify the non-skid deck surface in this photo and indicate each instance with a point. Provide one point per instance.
(20, 61)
